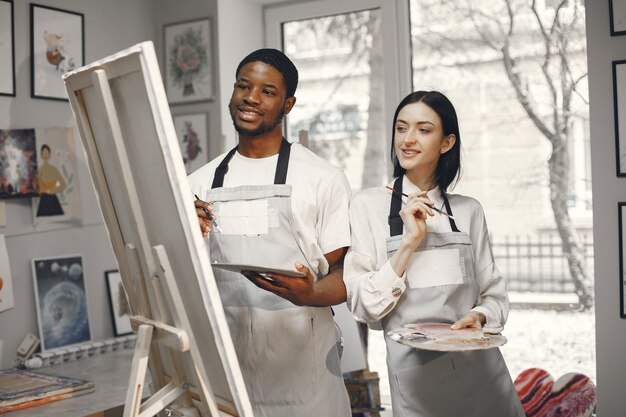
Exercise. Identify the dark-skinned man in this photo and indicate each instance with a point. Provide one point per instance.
(281, 206)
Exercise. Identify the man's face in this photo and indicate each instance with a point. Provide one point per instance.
(259, 101)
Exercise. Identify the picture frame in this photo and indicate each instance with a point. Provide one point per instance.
(617, 15)
(57, 45)
(192, 133)
(61, 301)
(619, 114)
(188, 61)
(20, 147)
(7, 49)
(118, 301)
(621, 210)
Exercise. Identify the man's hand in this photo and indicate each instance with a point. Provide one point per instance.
(205, 216)
(472, 320)
(299, 290)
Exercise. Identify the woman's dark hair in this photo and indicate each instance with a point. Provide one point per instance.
(449, 165)
(44, 146)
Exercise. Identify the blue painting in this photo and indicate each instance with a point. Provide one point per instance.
(61, 301)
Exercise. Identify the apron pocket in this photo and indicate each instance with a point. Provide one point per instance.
(429, 389)
(432, 268)
(285, 362)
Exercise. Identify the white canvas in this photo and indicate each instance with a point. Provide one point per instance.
(124, 121)
(6, 280)
(62, 163)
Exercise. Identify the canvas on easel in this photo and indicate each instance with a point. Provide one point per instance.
(135, 162)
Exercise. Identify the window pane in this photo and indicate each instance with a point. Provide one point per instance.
(518, 82)
(339, 96)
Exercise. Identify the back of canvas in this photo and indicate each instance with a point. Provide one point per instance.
(134, 158)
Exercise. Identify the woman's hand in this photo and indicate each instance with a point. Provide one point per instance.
(414, 215)
(472, 320)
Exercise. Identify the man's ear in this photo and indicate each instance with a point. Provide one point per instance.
(448, 143)
(289, 103)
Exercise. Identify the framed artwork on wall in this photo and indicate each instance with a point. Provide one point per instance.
(7, 49)
(188, 61)
(61, 301)
(617, 14)
(18, 176)
(57, 45)
(120, 309)
(621, 208)
(191, 130)
(619, 112)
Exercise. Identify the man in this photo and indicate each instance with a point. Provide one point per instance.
(279, 206)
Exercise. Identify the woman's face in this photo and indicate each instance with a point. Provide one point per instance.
(419, 139)
(45, 154)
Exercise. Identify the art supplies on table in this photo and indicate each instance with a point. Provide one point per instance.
(439, 337)
(21, 389)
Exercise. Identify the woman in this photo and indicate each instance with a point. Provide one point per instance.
(411, 264)
(51, 182)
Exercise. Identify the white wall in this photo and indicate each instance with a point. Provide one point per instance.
(109, 26)
(240, 31)
(608, 190)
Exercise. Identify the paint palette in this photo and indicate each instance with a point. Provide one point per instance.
(439, 337)
(572, 395)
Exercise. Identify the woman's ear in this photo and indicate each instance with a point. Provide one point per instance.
(447, 143)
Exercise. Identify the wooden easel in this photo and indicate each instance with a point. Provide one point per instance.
(182, 336)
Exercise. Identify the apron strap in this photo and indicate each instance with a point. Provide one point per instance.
(282, 165)
(449, 210)
(395, 221)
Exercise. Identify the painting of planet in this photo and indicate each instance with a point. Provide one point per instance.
(61, 301)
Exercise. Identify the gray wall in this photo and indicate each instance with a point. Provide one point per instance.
(608, 190)
(110, 26)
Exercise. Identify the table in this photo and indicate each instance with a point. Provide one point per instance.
(109, 373)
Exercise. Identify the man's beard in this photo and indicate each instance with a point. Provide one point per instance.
(261, 130)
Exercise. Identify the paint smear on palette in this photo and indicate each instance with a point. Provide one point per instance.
(572, 395)
(439, 337)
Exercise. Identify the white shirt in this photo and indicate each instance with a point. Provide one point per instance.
(319, 201)
(368, 274)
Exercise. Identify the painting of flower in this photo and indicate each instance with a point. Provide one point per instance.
(188, 61)
(191, 130)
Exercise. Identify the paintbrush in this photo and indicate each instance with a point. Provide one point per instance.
(210, 216)
(432, 207)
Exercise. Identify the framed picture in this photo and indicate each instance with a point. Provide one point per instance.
(120, 309)
(621, 209)
(57, 45)
(188, 61)
(617, 14)
(619, 110)
(7, 49)
(61, 301)
(18, 177)
(191, 130)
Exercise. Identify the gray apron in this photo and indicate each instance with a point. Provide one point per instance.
(289, 355)
(437, 384)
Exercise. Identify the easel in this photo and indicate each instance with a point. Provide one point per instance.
(182, 337)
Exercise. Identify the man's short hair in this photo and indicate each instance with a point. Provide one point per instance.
(278, 60)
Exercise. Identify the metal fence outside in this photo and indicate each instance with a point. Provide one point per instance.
(536, 263)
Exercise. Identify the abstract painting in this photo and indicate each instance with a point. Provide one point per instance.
(120, 309)
(6, 283)
(59, 198)
(56, 47)
(191, 130)
(18, 164)
(188, 61)
(61, 301)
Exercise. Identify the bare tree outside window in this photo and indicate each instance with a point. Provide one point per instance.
(517, 69)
